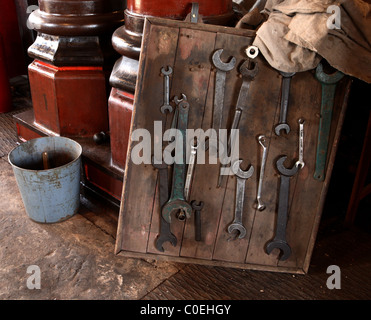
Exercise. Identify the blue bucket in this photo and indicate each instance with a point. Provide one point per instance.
(47, 171)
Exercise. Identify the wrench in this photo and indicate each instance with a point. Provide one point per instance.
(300, 162)
(242, 176)
(165, 232)
(191, 165)
(285, 94)
(166, 106)
(328, 82)
(247, 76)
(197, 208)
(279, 240)
(177, 201)
(261, 140)
(222, 69)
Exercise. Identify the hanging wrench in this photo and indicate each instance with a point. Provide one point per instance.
(165, 232)
(279, 240)
(177, 201)
(191, 165)
(222, 69)
(285, 95)
(242, 176)
(300, 162)
(328, 82)
(197, 208)
(261, 140)
(247, 76)
(166, 106)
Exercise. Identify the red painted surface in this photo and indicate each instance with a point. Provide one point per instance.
(5, 96)
(120, 108)
(103, 181)
(69, 101)
(178, 8)
(24, 134)
(9, 30)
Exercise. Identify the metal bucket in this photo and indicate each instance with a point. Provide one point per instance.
(47, 171)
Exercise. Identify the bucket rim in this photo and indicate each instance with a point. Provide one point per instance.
(46, 170)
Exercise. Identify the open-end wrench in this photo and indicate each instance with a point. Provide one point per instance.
(197, 208)
(242, 176)
(279, 240)
(247, 76)
(285, 95)
(165, 234)
(328, 82)
(261, 206)
(166, 106)
(301, 162)
(220, 78)
(177, 201)
(191, 165)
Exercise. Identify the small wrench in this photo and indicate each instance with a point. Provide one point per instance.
(177, 201)
(197, 208)
(328, 83)
(242, 176)
(300, 162)
(222, 69)
(279, 240)
(261, 140)
(166, 106)
(191, 165)
(165, 232)
(285, 94)
(247, 76)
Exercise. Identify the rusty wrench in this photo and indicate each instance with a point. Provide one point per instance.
(177, 201)
(242, 176)
(328, 83)
(247, 76)
(166, 106)
(222, 69)
(285, 95)
(165, 232)
(279, 240)
(197, 208)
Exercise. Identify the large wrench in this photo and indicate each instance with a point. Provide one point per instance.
(285, 95)
(165, 232)
(261, 206)
(328, 82)
(242, 176)
(177, 201)
(247, 76)
(279, 240)
(220, 78)
(197, 208)
(166, 106)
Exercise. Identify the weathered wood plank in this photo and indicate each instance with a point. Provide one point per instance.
(138, 194)
(206, 175)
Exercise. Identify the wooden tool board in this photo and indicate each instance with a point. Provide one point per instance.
(188, 49)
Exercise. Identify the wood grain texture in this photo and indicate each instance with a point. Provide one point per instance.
(188, 48)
